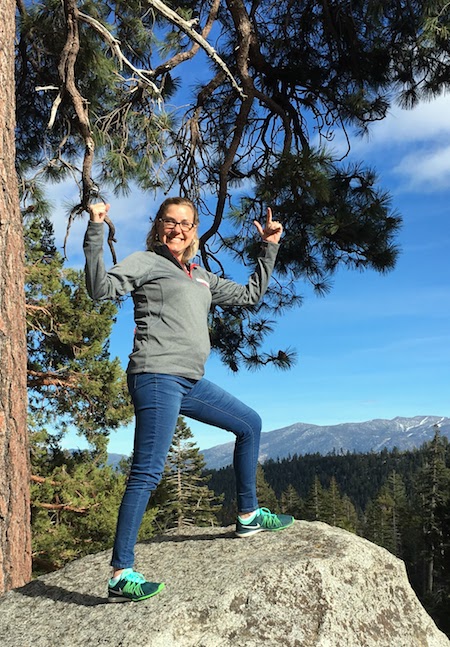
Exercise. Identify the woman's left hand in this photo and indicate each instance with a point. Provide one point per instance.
(272, 230)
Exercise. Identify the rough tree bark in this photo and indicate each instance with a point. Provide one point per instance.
(15, 536)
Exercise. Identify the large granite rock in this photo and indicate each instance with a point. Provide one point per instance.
(309, 586)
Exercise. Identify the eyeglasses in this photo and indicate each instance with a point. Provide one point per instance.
(170, 223)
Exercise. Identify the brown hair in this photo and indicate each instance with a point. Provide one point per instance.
(152, 236)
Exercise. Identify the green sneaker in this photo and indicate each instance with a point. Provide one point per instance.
(263, 520)
(132, 587)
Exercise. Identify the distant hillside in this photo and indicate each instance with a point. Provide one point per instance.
(114, 459)
(303, 438)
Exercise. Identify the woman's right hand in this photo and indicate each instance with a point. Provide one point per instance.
(98, 211)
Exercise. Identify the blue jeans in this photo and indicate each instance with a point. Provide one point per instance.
(158, 401)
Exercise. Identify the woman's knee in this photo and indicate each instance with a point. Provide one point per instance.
(139, 479)
(250, 426)
(257, 424)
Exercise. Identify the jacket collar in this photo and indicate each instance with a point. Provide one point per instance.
(164, 251)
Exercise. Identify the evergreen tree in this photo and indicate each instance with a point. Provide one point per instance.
(314, 501)
(74, 508)
(71, 378)
(386, 516)
(336, 511)
(183, 496)
(350, 519)
(15, 537)
(291, 503)
(433, 490)
(266, 496)
(331, 504)
(72, 381)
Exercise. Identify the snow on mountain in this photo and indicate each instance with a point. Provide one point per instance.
(303, 438)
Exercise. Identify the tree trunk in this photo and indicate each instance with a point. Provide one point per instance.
(429, 575)
(15, 537)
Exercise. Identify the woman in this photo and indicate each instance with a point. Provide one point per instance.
(172, 299)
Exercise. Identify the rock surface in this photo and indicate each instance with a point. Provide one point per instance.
(309, 586)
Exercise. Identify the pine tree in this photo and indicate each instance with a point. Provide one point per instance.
(386, 516)
(350, 519)
(314, 501)
(331, 504)
(399, 511)
(74, 502)
(15, 537)
(265, 493)
(291, 502)
(71, 378)
(74, 509)
(335, 510)
(183, 497)
(433, 491)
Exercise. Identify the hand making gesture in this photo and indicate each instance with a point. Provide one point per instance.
(98, 211)
(272, 230)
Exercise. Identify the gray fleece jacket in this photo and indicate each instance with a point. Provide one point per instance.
(170, 307)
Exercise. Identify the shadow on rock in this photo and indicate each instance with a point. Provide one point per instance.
(38, 589)
(184, 536)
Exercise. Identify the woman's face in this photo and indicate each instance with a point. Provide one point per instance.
(172, 235)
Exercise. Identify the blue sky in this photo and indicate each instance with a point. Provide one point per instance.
(378, 346)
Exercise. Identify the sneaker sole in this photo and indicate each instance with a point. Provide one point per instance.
(254, 532)
(249, 533)
(115, 598)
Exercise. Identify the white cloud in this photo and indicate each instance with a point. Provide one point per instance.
(428, 170)
(414, 145)
(428, 120)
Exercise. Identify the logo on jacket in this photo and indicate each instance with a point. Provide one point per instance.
(202, 281)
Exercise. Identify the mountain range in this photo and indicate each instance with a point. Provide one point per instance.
(360, 437)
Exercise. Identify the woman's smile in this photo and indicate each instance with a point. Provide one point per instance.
(176, 239)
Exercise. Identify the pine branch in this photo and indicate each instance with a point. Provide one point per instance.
(185, 56)
(35, 324)
(186, 27)
(66, 71)
(245, 30)
(240, 124)
(49, 378)
(67, 507)
(114, 44)
(42, 479)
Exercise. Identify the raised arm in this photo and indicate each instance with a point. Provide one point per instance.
(229, 293)
(120, 279)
